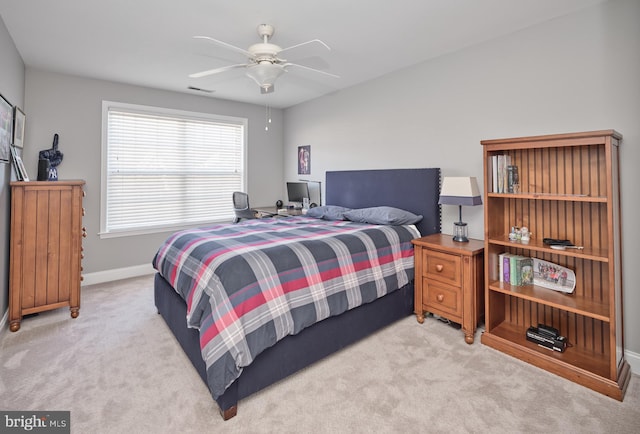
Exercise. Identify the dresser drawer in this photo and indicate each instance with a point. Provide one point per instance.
(444, 300)
(442, 267)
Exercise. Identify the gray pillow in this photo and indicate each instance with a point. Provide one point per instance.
(328, 212)
(382, 215)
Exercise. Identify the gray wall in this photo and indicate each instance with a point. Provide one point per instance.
(576, 73)
(12, 88)
(72, 107)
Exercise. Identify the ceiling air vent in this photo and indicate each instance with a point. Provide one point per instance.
(200, 90)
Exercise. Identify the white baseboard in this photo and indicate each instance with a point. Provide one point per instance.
(99, 277)
(117, 274)
(4, 320)
(633, 359)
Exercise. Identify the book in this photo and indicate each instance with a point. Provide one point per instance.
(494, 173)
(521, 270)
(501, 169)
(505, 173)
(506, 266)
(526, 271)
(514, 274)
(503, 161)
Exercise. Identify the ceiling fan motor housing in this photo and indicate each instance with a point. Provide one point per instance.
(264, 52)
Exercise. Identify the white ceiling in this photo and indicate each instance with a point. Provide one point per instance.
(149, 42)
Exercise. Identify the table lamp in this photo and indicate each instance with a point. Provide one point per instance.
(460, 190)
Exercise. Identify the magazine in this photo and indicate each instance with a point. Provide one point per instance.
(553, 276)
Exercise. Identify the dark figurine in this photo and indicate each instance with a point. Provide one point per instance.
(54, 156)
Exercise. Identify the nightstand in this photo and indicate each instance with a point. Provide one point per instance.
(449, 280)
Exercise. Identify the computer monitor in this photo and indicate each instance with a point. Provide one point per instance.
(297, 192)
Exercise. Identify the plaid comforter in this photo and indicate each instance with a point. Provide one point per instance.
(249, 285)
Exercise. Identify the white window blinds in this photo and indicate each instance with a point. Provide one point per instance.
(164, 169)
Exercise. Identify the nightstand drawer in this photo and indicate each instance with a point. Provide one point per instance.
(442, 267)
(443, 300)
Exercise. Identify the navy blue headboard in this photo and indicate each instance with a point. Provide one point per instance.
(415, 190)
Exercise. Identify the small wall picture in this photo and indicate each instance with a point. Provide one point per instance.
(21, 171)
(18, 127)
(6, 129)
(304, 160)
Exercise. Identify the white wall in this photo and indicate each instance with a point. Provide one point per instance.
(576, 73)
(72, 107)
(12, 88)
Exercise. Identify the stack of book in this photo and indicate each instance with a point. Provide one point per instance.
(516, 270)
(500, 180)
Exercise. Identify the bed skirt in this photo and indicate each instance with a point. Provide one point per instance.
(292, 353)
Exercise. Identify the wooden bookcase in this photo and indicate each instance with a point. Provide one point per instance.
(569, 189)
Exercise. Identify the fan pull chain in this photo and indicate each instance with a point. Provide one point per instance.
(267, 117)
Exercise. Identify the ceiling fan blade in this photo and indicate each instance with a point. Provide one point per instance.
(225, 45)
(305, 43)
(311, 69)
(217, 70)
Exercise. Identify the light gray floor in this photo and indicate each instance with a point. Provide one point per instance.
(117, 368)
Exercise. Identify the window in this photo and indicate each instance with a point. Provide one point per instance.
(165, 169)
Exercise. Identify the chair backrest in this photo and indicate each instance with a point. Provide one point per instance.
(241, 207)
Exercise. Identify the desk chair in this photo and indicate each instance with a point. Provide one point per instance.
(241, 207)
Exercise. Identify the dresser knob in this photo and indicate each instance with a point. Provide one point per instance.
(440, 297)
(439, 268)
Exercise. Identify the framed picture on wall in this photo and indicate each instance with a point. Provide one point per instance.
(304, 160)
(6, 129)
(18, 127)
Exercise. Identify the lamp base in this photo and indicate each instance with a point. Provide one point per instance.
(460, 232)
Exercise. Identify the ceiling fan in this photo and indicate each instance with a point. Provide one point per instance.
(263, 64)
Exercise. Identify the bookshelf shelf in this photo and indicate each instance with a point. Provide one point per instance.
(568, 189)
(579, 361)
(593, 254)
(550, 196)
(548, 297)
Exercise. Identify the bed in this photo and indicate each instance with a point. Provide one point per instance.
(414, 190)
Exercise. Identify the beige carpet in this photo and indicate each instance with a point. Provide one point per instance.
(118, 369)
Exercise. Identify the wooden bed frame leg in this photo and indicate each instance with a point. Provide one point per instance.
(229, 412)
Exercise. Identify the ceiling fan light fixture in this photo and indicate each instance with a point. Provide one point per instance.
(265, 74)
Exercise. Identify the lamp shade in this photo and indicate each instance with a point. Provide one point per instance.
(460, 190)
(265, 73)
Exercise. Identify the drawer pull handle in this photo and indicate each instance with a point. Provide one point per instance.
(439, 268)
(440, 297)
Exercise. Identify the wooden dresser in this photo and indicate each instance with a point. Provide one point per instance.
(449, 280)
(46, 247)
